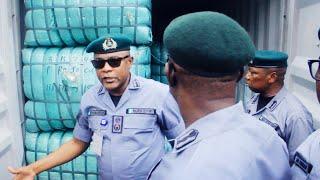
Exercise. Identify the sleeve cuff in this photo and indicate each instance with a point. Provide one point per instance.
(82, 134)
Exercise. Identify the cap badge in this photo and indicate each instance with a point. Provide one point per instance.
(109, 43)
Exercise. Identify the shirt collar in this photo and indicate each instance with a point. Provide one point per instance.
(134, 83)
(277, 99)
(209, 125)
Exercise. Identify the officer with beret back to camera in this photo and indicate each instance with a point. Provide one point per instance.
(207, 52)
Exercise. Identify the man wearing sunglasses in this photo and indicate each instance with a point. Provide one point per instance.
(273, 104)
(207, 52)
(125, 117)
(307, 158)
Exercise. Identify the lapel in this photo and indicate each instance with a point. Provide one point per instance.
(271, 106)
(134, 84)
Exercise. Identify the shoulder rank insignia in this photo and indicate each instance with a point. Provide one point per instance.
(187, 138)
(254, 99)
(136, 84)
(100, 91)
(302, 163)
(273, 105)
(109, 43)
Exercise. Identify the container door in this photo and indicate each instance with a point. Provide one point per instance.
(303, 44)
(11, 143)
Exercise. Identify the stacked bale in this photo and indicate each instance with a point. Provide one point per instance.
(39, 145)
(158, 61)
(73, 22)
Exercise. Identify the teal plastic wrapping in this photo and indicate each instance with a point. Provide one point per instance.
(71, 22)
(158, 60)
(31, 4)
(49, 116)
(38, 145)
(64, 74)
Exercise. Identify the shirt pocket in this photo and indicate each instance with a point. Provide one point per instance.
(98, 123)
(140, 122)
(139, 132)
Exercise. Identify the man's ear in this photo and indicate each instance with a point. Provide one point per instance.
(272, 77)
(170, 73)
(130, 59)
(129, 62)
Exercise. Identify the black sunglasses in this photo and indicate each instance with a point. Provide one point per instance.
(314, 69)
(113, 62)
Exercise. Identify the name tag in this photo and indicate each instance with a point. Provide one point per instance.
(274, 125)
(302, 163)
(149, 111)
(97, 112)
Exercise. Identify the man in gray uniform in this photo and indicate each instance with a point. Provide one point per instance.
(273, 104)
(125, 117)
(207, 52)
(307, 158)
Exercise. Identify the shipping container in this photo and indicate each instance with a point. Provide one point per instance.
(291, 26)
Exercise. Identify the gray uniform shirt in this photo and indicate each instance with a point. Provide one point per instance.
(225, 144)
(287, 115)
(130, 137)
(307, 159)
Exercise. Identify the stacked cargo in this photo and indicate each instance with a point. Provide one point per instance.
(57, 70)
(158, 61)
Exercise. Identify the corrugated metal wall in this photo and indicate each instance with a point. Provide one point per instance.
(265, 22)
(303, 44)
(11, 146)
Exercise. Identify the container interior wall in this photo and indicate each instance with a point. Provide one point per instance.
(303, 45)
(264, 20)
(11, 98)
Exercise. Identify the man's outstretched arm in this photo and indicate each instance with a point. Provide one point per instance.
(65, 153)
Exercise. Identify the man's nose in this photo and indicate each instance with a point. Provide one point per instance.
(247, 77)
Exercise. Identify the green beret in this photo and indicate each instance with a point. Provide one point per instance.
(208, 44)
(109, 43)
(269, 59)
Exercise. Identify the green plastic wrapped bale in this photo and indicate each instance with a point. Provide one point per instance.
(159, 58)
(158, 73)
(64, 74)
(47, 116)
(31, 4)
(73, 22)
(38, 145)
